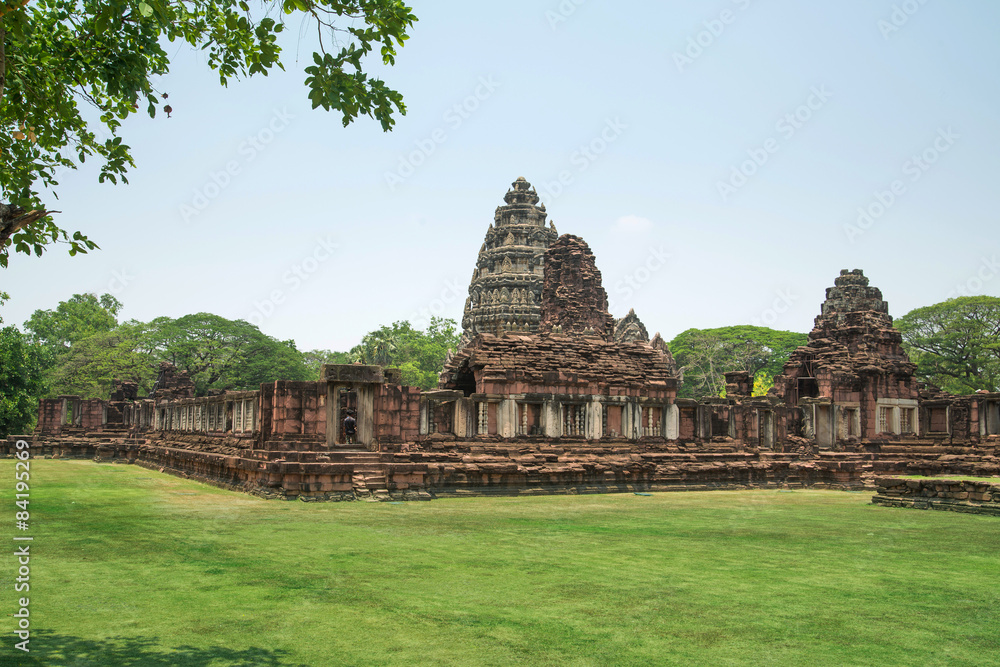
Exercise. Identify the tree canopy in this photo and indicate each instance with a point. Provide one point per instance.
(59, 55)
(419, 355)
(21, 365)
(77, 318)
(225, 354)
(84, 349)
(704, 355)
(956, 343)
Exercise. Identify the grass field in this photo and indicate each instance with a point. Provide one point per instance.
(133, 567)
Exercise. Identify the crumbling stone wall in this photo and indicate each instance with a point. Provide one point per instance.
(957, 495)
(573, 298)
(171, 383)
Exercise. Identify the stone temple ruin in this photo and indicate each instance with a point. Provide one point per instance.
(548, 393)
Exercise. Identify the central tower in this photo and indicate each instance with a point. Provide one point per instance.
(506, 288)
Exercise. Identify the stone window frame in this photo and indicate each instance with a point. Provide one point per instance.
(907, 424)
(928, 422)
(893, 408)
(522, 406)
(605, 407)
(885, 419)
(581, 422)
(660, 430)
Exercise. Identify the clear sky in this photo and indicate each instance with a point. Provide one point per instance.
(715, 156)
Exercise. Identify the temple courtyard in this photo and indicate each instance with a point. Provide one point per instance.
(132, 567)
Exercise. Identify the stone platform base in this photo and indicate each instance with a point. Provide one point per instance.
(990, 509)
(308, 470)
(954, 495)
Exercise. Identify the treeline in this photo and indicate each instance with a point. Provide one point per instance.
(80, 347)
(704, 355)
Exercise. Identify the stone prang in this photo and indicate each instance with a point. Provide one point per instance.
(506, 287)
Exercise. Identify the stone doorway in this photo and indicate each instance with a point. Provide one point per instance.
(351, 387)
(347, 400)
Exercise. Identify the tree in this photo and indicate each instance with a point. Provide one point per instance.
(21, 382)
(92, 364)
(57, 54)
(419, 355)
(377, 348)
(956, 343)
(79, 317)
(222, 354)
(704, 355)
(56, 331)
(314, 360)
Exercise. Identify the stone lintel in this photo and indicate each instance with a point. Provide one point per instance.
(352, 373)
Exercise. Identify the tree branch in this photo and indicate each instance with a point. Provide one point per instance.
(14, 218)
(3, 62)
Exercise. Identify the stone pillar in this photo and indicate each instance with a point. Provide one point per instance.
(632, 420)
(672, 422)
(507, 418)
(366, 415)
(595, 419)
(425, 407)
(459, 418)
(551, 419)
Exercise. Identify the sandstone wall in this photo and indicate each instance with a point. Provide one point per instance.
(957, 495)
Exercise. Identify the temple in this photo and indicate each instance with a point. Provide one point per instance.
(549, 393)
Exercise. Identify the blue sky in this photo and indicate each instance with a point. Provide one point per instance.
(714, 155)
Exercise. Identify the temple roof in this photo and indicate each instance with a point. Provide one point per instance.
(534, 358)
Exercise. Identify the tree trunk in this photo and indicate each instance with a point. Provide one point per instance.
(15, 218)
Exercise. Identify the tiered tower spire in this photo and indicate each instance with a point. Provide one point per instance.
(506, 288)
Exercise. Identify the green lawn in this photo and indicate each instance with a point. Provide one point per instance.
(133, 567)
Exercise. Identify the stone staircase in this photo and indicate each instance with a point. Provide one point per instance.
(369, 475)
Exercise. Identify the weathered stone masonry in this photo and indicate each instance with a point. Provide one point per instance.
(548, 393)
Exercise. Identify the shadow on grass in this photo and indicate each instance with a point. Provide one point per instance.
(50, 649)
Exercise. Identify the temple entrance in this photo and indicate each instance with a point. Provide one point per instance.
(351, 391)
(347, 400)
